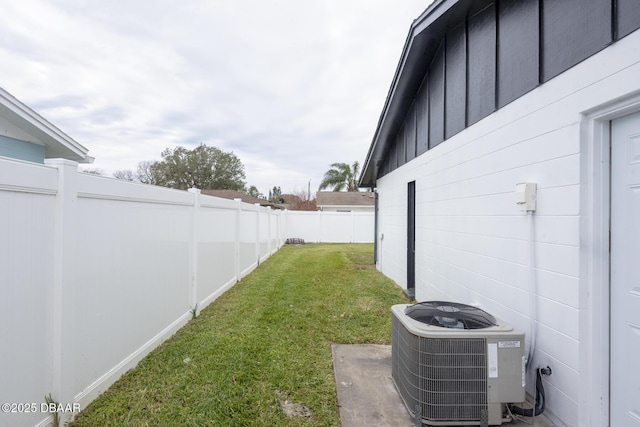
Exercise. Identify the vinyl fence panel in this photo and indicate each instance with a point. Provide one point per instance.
(96, 272)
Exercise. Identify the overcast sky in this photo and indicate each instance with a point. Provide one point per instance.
(290, 86)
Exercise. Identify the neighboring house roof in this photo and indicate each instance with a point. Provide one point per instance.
(233, 194)
(344, 198)
(22, 123)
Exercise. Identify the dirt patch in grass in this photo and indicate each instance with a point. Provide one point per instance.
(361, 260)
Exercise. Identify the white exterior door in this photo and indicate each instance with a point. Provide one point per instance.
(625, 272)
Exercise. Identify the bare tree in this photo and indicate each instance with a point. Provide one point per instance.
(144, 173)
(301, 201)
(93, 171)
(125, 175)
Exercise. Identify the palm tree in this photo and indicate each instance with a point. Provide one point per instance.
(341, 176)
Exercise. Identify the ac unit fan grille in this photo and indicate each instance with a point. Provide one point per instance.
(447, 377)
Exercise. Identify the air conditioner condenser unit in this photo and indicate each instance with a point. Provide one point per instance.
(455, 364)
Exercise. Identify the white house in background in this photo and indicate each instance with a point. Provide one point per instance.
(345, 201)
(25, 135)
(490, 94)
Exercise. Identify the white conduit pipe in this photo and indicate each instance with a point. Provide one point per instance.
(532, 292)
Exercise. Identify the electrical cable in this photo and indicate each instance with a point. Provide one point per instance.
(532, 291)
(540, 397)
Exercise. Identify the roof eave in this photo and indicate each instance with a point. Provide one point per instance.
(56, 142)
(422, 42)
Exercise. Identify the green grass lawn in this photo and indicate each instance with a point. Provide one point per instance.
(264, 341)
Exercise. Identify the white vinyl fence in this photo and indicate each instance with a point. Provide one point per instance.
(96, 272)
(323, 226)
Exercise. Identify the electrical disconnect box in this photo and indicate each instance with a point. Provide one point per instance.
(526, 196)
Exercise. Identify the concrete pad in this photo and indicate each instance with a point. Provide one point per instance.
(366, 393)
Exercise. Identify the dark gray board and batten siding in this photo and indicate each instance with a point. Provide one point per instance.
(489, 54)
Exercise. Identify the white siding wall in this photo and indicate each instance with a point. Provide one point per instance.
(472, 241)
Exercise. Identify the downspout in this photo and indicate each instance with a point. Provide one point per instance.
(375, 228)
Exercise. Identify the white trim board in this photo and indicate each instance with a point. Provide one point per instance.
(594, 269)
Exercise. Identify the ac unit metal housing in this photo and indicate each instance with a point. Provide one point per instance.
(448, 376)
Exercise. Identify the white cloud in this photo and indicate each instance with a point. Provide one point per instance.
(290, 86)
